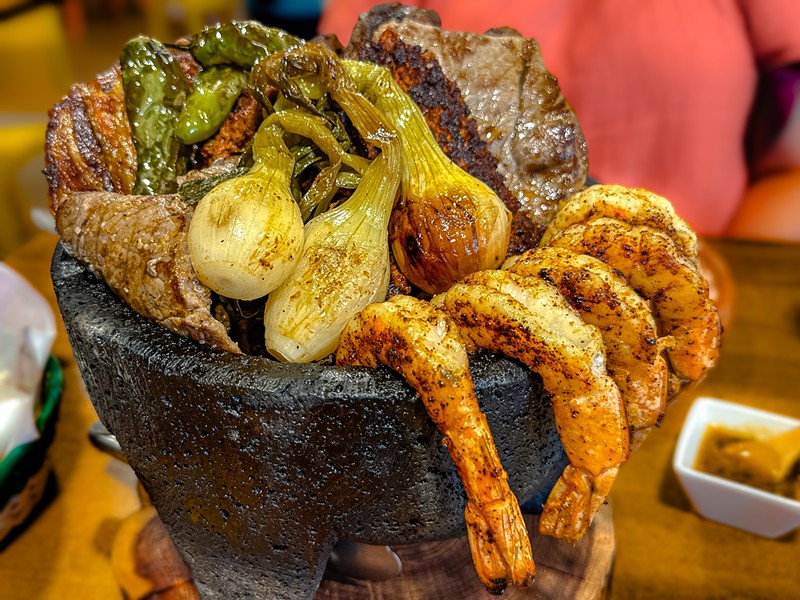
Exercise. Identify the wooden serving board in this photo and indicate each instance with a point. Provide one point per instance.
(148, 567)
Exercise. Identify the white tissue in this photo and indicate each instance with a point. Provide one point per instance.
(27, 330)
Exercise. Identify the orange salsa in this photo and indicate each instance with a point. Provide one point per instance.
(712, 460)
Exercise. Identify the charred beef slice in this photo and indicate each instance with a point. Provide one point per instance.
(492, 104)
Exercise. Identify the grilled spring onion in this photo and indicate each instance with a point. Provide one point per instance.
(447, 223)
(345, 261)
(317, 198)
(344, 267)
(246, 234)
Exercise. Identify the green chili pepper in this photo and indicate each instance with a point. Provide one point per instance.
(215, 92)
(155, 91)
(239, 43)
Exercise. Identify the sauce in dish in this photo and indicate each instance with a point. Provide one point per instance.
(713, 459)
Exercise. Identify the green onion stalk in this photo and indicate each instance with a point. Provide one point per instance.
(345, 261)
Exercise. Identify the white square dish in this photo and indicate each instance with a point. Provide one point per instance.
(720, 499)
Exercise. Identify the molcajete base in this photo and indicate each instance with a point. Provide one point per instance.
(257, 468)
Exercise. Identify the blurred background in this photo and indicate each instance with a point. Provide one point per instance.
(46, 46)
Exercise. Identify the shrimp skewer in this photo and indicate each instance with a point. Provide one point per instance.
(656, 269)
(425, 346)
(603, 298)
(527, 319)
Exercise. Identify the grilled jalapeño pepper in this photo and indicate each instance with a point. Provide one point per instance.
(155, 91)
(215, 91)
(239, 43)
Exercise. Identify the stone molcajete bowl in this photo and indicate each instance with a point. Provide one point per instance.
(257, 468)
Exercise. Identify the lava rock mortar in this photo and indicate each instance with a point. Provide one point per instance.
(257, 468)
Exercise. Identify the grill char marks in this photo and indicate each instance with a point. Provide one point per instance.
(89, 146)
(235, 133)
(450, 120)
(492, 105)
(137, 245)
(440, 100)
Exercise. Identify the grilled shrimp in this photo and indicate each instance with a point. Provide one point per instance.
(425, 346)
(635, 206)
(656, 269)
(528, 319)
(604, 299)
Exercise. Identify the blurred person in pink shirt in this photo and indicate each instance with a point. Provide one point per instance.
(664, 91)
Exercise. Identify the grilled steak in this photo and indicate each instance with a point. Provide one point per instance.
(513, 104)
(89, 145)
(137, 245)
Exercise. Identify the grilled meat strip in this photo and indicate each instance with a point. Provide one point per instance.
(513, 104)
(89, 145)
(235, 133)
(137, 245)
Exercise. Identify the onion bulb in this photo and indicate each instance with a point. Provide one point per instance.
(442, 232)
(344, 267)
(447, 224)
(246, 234)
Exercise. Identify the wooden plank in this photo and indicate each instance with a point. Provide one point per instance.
(444, 569)
(146, 563)
(148, 567)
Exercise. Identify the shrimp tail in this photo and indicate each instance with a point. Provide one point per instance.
(574, 500)
(491, 567)
(496, 529)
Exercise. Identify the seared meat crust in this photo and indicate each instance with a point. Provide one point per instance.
(137, 245)
(449, 118)
(515, 103)
(235, 133)
(89, 145)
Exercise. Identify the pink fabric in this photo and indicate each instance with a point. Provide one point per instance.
(662, 88)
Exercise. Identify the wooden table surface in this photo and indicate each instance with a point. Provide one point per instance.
(663, 549)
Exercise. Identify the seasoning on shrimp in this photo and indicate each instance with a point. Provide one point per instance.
(425, 346)
(604, 299)
(527, 319)
(654, 267)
